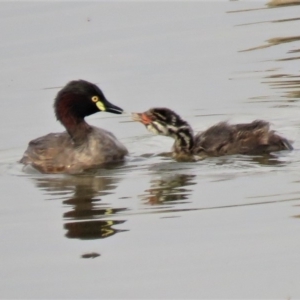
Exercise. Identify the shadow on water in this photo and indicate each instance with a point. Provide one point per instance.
(270, 4)
(281, 3)
(276, 78)
(276, 41)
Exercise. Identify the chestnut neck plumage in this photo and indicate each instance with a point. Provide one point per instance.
(72, 120)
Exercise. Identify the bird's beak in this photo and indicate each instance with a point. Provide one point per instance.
(141, 117)
(109, 107)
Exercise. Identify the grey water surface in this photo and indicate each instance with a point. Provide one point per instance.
(224, 227)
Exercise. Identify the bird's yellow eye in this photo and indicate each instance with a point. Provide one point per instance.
(98, 103)
(95, 99)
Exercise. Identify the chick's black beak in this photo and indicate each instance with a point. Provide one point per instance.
(113, 108)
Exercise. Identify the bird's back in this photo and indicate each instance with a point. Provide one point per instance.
(250, 138)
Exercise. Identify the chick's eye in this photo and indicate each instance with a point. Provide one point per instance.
(95, 98)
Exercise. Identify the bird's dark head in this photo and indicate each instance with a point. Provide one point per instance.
(161, 121)
(80, 98)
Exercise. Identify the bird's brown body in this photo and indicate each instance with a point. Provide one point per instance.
(52, 153)
(82, 146)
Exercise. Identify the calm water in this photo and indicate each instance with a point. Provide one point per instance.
(152, 228)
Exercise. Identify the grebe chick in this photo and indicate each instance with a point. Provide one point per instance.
(221, 139)
(81, 146)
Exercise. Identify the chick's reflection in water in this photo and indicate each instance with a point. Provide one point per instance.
(82, 194)
(168, 189)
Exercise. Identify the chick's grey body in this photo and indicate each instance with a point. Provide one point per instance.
(220, 139)
(251, 138)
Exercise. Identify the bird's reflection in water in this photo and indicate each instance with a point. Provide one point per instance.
(263, 160)
(268, 160)
(168, 189)
(82, 195)
(90, 230)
